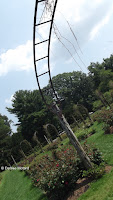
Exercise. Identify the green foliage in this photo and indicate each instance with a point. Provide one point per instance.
(106, 128)
(5, 140)
(97, 105)
(4, 126)
(101, 74)
(100, 189)
(31, 113)
(104, 115)
(52, 146)
(26, 147)
(95, 173)
(58, 174)
(94, 154)
(74, 87)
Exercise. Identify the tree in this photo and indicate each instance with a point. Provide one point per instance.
(32, 114)
(108, 63)
(4, 126)
(74, 87)
(101, 74)
(5, 139)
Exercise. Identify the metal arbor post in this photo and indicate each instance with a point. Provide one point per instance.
(54, 107)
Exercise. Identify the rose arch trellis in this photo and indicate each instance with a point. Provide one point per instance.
(47, 126)
(26, 143)
(35, 138)
(50, 7)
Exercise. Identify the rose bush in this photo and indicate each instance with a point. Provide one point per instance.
(58, 174)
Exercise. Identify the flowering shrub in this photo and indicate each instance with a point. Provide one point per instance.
(93, 153)
(26, 161)
(104, 116)
(96, 158)
(58, 174)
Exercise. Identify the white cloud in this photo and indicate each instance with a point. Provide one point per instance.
(101, 24)
(21, 58)
(86, 16)
(17, 59)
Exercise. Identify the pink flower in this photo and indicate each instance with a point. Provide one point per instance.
(57, 165)
(37, 180)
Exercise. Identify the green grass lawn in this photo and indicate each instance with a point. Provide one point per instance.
(16, 186)
(104, 142)
(102, 189)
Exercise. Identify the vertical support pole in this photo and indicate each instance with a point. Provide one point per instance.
(14, 161)
(23, 154)
(46, 139)
(83, 156)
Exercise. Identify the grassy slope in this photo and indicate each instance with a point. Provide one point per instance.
(16, 186)
(101, 189)
(104, 142)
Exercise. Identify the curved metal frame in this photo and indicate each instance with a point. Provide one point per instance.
(51, 125)
(49, 41)
(27, 143)
(83, 156)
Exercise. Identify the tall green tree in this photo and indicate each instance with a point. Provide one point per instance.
(74, 87)
(5, 139)
(32, 114)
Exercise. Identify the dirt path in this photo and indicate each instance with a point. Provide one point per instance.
(83, 185)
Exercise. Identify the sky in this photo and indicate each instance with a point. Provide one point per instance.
(90, 41)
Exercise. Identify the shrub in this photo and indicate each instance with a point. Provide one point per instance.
(52, 146)
(106, 128)
(97, 105)
(93, 153)
(57, 175)
(96, 172)
(104, 116)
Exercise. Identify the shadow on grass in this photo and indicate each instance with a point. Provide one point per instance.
(81, 186)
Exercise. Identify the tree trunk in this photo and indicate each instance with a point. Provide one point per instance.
(83, 157)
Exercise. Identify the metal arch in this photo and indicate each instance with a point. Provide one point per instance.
(48, 56)
(34, 31)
